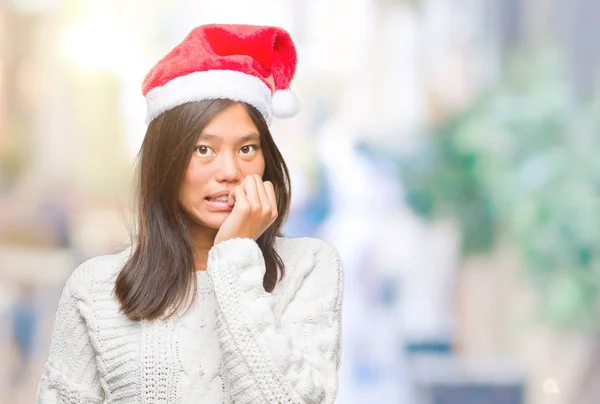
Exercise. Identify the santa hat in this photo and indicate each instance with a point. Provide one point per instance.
(237, 62)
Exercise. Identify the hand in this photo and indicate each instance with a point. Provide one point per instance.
(254, 210)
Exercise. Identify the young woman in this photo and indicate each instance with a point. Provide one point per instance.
(211, 304)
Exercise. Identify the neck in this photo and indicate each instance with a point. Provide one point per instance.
(203, 239)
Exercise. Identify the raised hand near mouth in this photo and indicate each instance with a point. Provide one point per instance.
(254, 210)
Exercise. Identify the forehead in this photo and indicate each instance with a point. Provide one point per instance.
(232, 123)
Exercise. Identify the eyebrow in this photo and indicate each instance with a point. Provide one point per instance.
(251, 136)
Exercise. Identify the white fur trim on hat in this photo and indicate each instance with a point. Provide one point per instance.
(207, 85)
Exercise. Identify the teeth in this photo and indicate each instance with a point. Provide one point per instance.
(220, 199)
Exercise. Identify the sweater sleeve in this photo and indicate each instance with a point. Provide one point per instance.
(291, 358)
(70, 374)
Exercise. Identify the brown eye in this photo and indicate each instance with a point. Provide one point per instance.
(204, 150)
(249, 149)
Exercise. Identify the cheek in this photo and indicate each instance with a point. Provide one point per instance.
(256, 167)
(193, 185)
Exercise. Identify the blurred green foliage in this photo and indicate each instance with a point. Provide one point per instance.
(522, 165)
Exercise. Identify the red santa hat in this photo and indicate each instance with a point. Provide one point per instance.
(237, 62)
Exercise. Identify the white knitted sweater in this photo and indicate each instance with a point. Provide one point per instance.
(236, 344)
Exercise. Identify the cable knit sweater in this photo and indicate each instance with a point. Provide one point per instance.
(236, 344)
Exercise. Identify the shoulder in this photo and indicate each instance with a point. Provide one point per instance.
(96, 273)
(308, 257)
(295, 247)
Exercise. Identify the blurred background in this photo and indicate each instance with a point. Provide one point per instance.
(448, 148)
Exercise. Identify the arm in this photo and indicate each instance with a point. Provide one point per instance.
(294, 359)
(70, 374)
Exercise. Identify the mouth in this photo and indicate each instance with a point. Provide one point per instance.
(222, 198)
(218, 203)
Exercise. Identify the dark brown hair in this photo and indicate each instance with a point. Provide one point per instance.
(159, 275)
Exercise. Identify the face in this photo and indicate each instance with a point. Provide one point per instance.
(227, 150)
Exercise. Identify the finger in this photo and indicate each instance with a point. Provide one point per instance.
(249, 185)
(262, 195)
(231, 197)
(241, 200)
(270, 190)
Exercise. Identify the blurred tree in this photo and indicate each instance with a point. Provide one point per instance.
(521, 165)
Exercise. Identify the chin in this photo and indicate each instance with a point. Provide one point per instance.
(213, 221)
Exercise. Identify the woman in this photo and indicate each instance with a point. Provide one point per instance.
(211, 304)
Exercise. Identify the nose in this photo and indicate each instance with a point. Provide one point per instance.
(228, 169)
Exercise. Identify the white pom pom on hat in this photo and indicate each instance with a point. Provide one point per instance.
(239, 62)
(285, 104)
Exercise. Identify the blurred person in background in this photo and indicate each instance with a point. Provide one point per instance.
(24, 318)
(211, 303)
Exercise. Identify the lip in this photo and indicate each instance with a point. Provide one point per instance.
(225, 192)
(219, 206)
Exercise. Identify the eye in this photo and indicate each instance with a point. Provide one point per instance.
(204, 151)
(249, 150)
